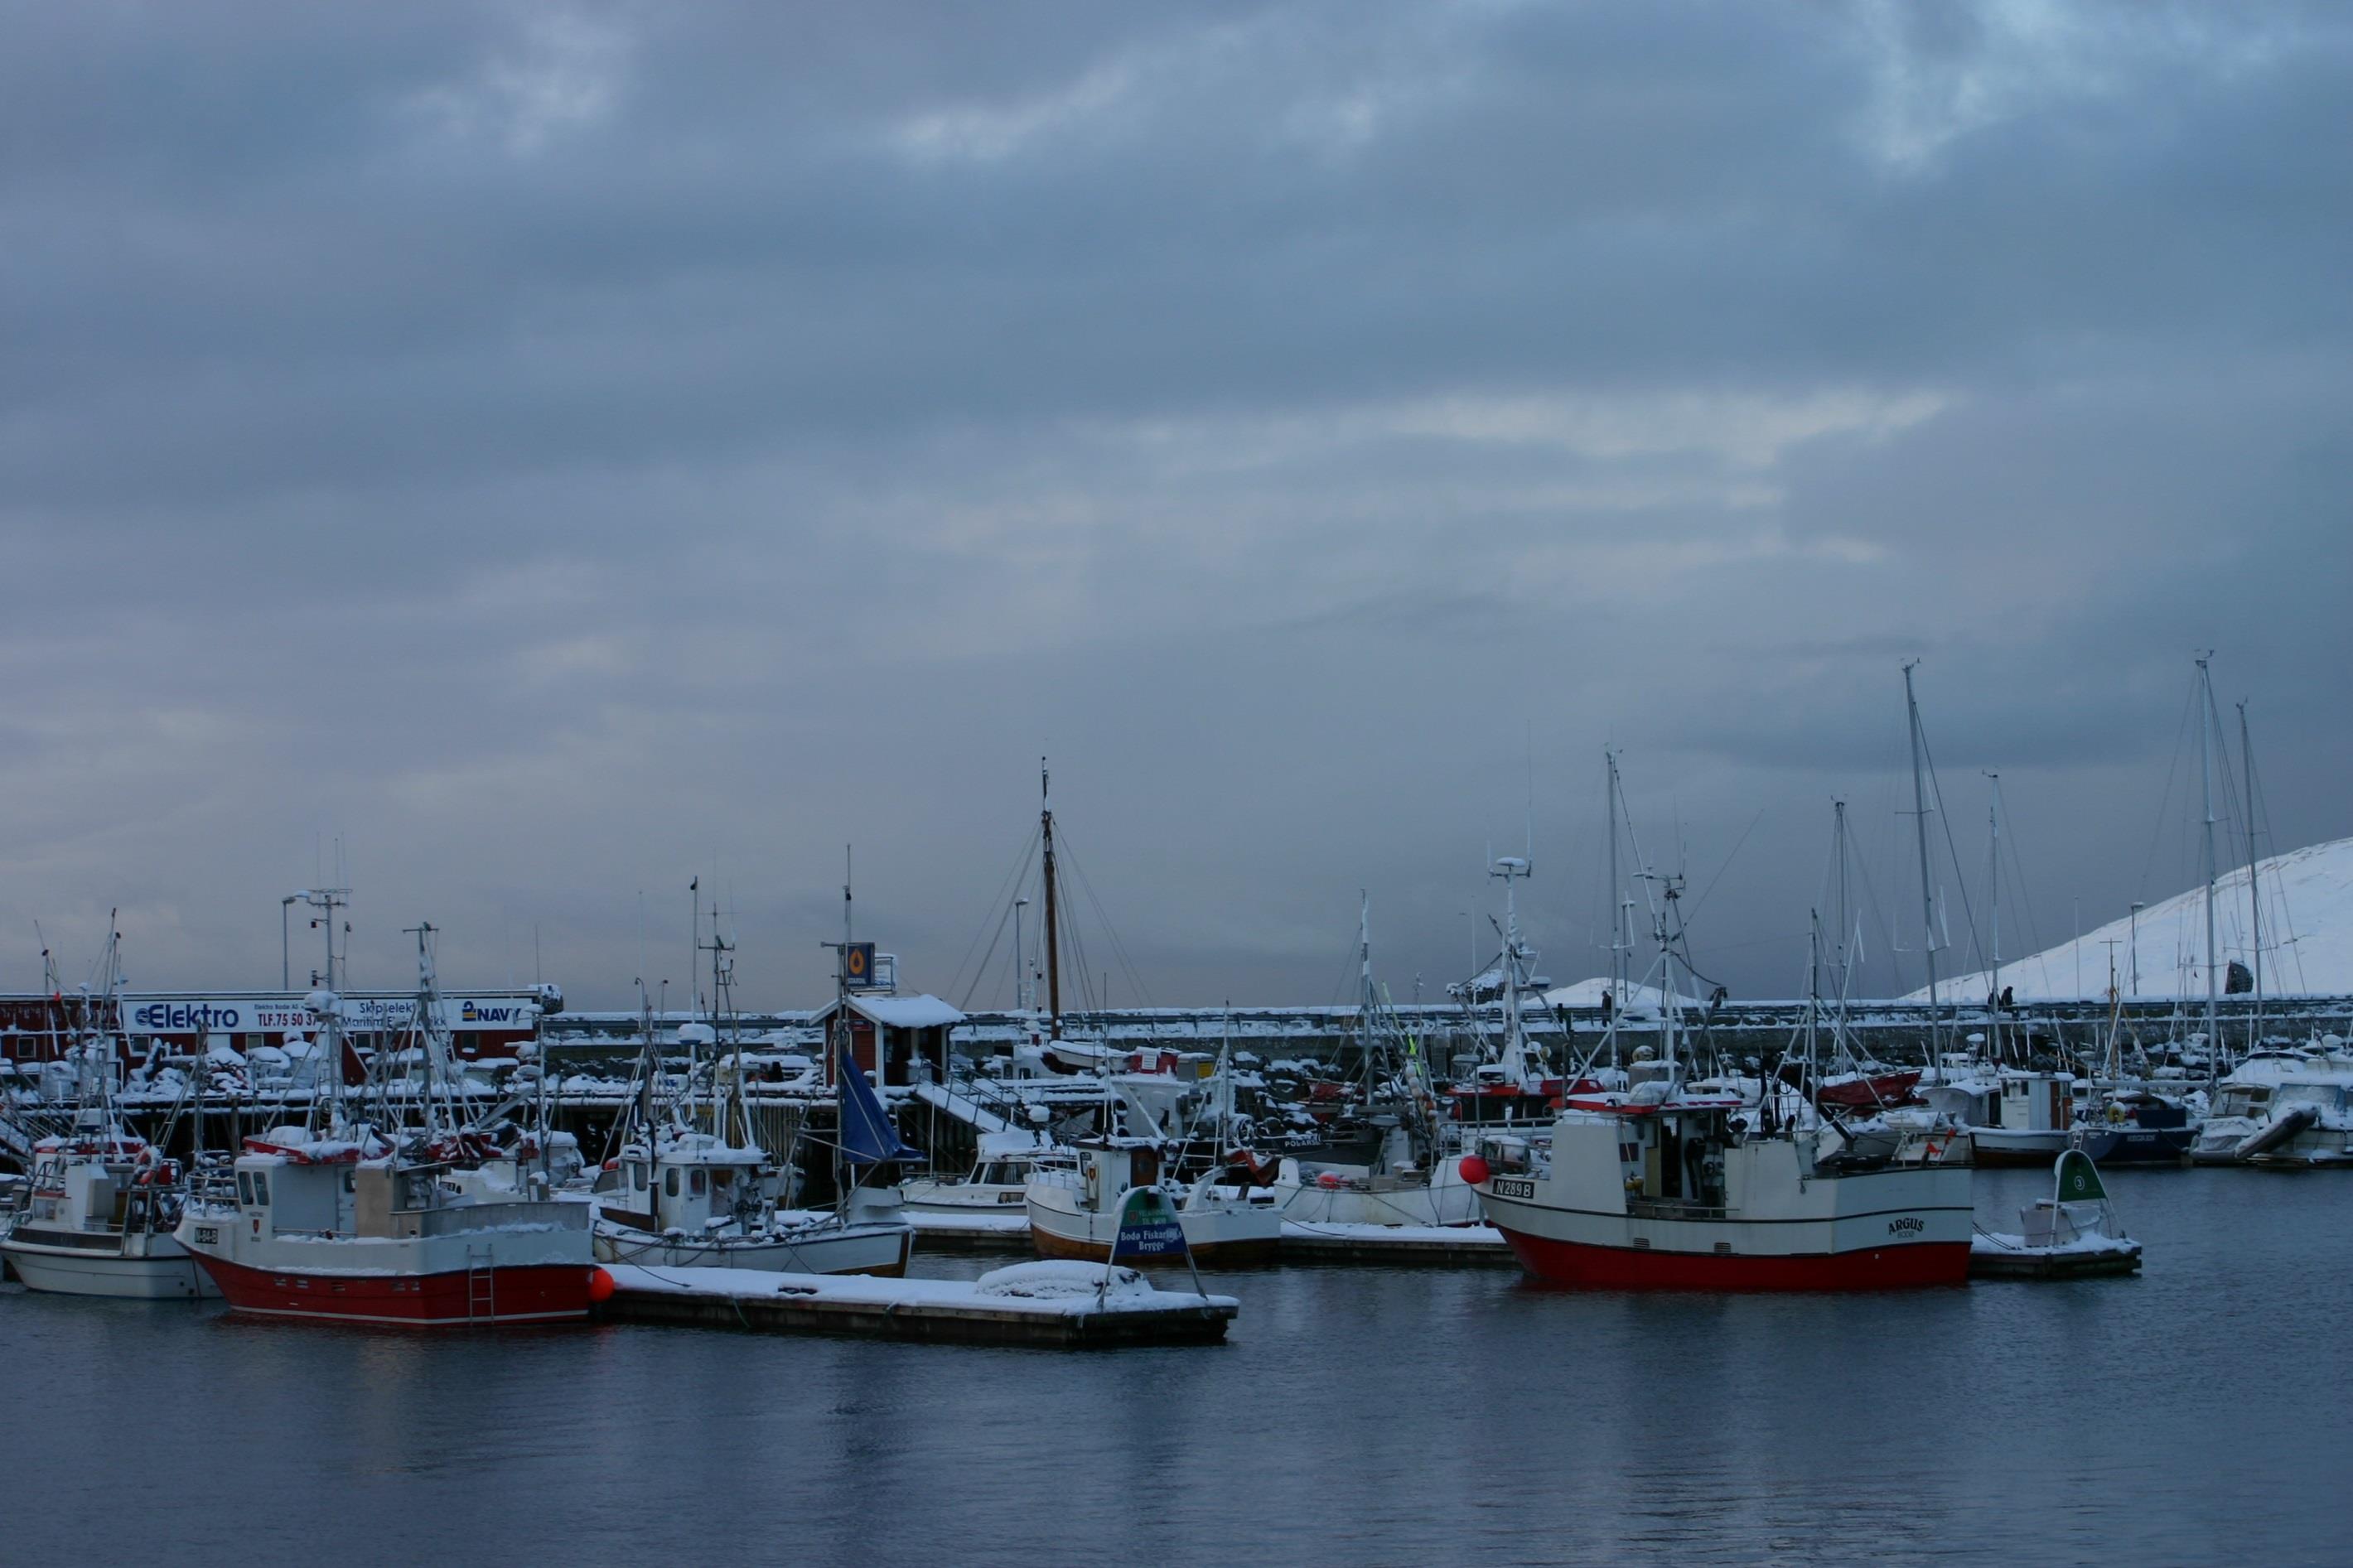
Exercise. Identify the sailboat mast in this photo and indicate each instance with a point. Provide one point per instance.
(1364, 987)
(2254, 890)
(2206, 779)
(1927, 890)
(1993, 895)
(1053, 945)
(1617, 897)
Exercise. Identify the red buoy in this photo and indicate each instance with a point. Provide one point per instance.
(600, 1286)
(1473, 1169)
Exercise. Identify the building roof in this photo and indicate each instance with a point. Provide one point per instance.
(892, 1011)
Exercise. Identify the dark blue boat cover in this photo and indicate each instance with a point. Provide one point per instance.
(868, 1138)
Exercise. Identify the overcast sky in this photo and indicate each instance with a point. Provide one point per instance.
(559, 452)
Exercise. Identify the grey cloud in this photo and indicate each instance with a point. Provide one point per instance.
(565, 449)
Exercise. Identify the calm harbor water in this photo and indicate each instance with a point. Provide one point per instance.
(1356, 1415)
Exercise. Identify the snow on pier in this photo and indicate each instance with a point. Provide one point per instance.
(1050, 1304)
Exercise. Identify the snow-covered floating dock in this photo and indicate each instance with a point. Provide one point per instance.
(1049, 1304)
(1443, 1244)
(2000, 1255)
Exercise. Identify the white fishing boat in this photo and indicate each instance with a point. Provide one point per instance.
(1075, 1212)
(1395, 1168)
(97, 1211)
(696, 1201)
(96, 1219)
(1670, 1186)
(2035, 1119)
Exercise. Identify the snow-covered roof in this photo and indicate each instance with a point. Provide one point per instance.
(905, 1012)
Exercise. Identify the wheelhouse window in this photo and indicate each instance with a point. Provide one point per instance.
(245, 1188)
(261, 1189)
(697, 1175)
(669, 1181)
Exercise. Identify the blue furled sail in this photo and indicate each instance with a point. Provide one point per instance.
(868, 1138)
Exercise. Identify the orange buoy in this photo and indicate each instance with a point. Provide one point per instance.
(600, 1286)
(1473, 1169)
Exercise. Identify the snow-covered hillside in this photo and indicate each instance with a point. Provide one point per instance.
(1642, 1001)
(2307, 939)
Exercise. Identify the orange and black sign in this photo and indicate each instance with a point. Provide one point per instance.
(857, 963)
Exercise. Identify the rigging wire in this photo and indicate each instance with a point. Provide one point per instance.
(1012, 881)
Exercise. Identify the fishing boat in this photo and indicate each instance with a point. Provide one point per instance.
(1672, 1186)
(693, 1200)
(96, 1219)
(2034, 1119)
(679, 1196)
(1652, 1189)
(96, 1214)
(1075, 1213)
(359, 1230)
(1392, 1167)
(357, 1219)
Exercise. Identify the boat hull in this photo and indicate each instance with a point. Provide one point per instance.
(1441, 1199)
(1231, 1254)
(1220, 1236)
(166, 1274)
(2108, 1144)
(2006, 1146)
(1576, 1265)
(516, 1293)
(881, 1250)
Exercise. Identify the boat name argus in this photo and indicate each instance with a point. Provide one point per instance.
(1907, 1225)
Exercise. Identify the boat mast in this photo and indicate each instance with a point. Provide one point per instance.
(1053, 949)
(2255, 891)
(1993, 894)
(1363, 989)
(2206, 776)
(1617, 942)
(1515, 1044)
(2206, 721)
(1927, 890)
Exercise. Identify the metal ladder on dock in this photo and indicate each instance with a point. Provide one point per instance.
(481, 1285)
